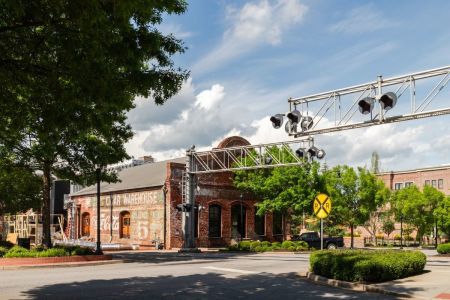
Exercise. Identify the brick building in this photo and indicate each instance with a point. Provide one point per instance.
(438, 177)
(141, 208)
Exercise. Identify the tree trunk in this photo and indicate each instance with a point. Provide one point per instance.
(46, 238)
(351, 236)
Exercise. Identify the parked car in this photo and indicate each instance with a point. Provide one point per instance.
(313, 240)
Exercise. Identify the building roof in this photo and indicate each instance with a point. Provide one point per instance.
(142, 176)
(427, 169)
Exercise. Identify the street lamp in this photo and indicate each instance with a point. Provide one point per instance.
(98, 249)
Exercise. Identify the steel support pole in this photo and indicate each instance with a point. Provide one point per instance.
(188, 219)
(98, 249)
(321, 234)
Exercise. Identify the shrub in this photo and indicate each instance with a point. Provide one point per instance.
(372, 266)
(18, 251)
(3, 251)
(81, 251)
(287, 244)
(276, 244)
(302, 244)
(291, 248)
(255, 244)
(244, 245)
(258, 249)
(39, 248)
(265, 244)
(397, 237)
(301, 248)
(443, 248)
(51, 252)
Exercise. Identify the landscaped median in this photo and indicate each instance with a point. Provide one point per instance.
(367, 265)
(17, 256)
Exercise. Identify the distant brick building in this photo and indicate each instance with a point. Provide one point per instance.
(438, 177)
(142, 208)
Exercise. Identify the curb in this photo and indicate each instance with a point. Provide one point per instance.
(63, 265)
(359, 287)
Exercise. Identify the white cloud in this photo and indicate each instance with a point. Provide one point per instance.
(362, 19)
(175, 29)
(209, 98)
(255, 24)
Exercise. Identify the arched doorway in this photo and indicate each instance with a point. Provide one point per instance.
(85, 224)
(125, 220)
(238, 221)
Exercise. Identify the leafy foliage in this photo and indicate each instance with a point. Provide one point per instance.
(18, 251)
(362, 265)
(282, 189)
(443, 248)
(355, 194)
(69, 72)
(417, 208)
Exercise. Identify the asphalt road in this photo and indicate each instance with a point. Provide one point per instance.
(173, 276)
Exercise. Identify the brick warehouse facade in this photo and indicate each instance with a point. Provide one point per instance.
(142, 208)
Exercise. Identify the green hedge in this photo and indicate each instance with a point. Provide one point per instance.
(257, 246)
(17, 251)
(443, 248)
(364, 265)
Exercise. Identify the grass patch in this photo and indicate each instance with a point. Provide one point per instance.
(369, 266)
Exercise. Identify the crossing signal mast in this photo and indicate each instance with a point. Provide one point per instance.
(337, 110)
(321, 113)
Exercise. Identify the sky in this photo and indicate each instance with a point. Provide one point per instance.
(246, 58)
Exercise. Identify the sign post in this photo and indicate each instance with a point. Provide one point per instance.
(322, 208)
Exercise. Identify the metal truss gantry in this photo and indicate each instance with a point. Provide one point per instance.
(340, 106)
(232, 159)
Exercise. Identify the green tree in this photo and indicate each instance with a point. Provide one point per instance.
(69, 72)
(417, 208)
(20, 188)
(355, 195)
(289, 190)
(388, 226)
(442, 215)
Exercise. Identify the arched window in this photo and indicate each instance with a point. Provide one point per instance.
(238, 221)
(215, 221)
(125, 220)
(260, 224)
(85, 224)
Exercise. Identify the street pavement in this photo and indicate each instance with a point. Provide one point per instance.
(152, 275)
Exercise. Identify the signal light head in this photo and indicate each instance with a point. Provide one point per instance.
(307, 123)
(388, 100)
(290, 127)
(277, 120)
(300, 152)
(314, 151)
(294, 116)
(366, 105)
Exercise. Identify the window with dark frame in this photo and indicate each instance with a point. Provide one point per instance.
(277, 223)
(260, 224)
(409, 183)
(398, 186)
(434, 183)
(427, 182)
(215, 221)
(125, 222)
(440, 184)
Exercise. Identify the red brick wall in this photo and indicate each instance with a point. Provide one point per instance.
(418, 177)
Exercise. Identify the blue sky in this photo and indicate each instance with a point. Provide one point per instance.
(247, 57)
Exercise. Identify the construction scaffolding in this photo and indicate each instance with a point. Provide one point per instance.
(29, 225)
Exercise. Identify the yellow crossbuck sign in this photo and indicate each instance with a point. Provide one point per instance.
(322, 206)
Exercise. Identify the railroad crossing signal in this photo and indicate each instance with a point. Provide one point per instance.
(322, 206)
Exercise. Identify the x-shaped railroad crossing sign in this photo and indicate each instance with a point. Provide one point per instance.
(322, 206)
